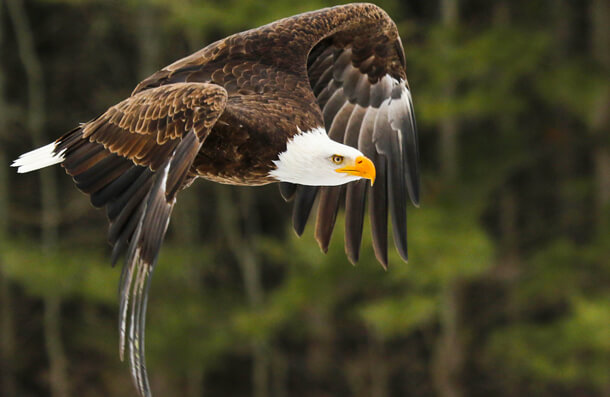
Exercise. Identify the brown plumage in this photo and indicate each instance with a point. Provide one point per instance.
(225, 113)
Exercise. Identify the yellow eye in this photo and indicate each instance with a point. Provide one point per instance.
(337, 159)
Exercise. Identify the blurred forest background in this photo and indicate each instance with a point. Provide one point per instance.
(507, 292)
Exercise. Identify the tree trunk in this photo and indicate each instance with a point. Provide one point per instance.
(247, 260)
(7, 330)
(449, 354)
(448, 139)
(564, 154)
(148, 39)
(36, 118)
(185, 233)
(194, 382)
(35, 122)
(251, 271)
(380, 386)
(600, 15)
(55, 349)
(321, 348)
(448, 146)
(279, 370)
(501, 13)
(448, 359)
(508, 266)
(7, 327)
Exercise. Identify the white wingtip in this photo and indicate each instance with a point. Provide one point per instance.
(38, 158)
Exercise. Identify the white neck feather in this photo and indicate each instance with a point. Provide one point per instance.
(306, 160)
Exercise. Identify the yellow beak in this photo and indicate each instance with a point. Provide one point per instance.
(362, 167)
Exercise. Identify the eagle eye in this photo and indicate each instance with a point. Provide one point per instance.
(337, 159)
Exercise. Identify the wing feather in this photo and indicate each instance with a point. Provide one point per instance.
(328, 207)
(287, 190)
(332, 107)
(325, 77)
(355, 199)
(367, 76)
(379, 211)
(327, 92)
(330, 196)
(303, 202)
(402, 118)
(388, 145)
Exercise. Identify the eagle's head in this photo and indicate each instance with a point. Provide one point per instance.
(312, 158)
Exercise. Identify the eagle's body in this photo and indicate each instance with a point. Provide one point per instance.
(314, 101)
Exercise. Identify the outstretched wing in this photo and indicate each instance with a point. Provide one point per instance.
(133, 160)
(345, 67)
(357, 74)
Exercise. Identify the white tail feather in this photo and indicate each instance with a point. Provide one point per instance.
(38, 158)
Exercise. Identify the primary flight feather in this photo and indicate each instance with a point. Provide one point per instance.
(318, 102)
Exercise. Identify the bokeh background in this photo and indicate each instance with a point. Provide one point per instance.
(507, 291)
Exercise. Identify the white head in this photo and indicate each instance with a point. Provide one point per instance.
(312, 158)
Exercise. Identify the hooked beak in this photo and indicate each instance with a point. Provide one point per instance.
(362, 167)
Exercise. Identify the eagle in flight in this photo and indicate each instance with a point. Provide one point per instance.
(318, 102)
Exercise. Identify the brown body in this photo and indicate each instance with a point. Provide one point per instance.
(269, 85)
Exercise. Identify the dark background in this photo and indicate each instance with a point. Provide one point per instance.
(507, 289)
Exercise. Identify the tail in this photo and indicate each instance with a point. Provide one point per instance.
(39, 158)
(111, 181)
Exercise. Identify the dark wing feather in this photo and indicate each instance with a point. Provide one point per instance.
(328, 206)
(356, 192)
(379, 211)
(357, 74)
(303, 202)
(133, 160)
(287, 190)
(388, 145)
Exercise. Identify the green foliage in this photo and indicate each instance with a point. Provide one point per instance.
(574, 86)
(448, 245)
(559, 272)
(489, 71)
(394, 317)
(65, 274)
(575, 347)
(572, 351)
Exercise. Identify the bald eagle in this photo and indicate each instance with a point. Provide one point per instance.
(318, 102)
